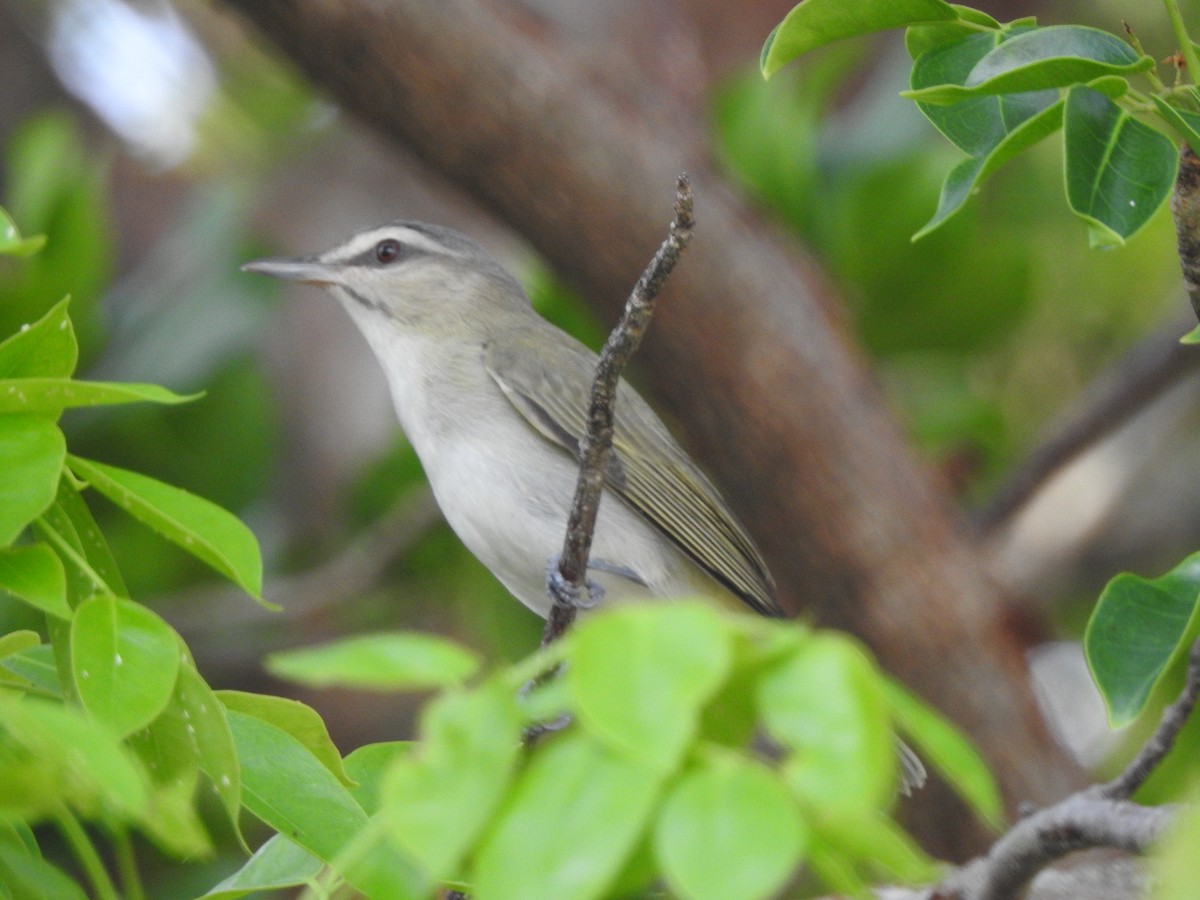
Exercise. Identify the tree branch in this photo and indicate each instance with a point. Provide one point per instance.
(1099, 816)
(1142, 375)
(567, 590)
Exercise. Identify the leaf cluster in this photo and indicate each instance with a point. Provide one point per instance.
(994, 90)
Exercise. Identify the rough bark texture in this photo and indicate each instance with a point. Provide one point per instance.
(748, 354)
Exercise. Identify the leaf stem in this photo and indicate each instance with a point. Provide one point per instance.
(85, 852)
(64, 547)
(1185, 43)
(131, 879)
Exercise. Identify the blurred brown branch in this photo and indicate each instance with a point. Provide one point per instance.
(750, 356)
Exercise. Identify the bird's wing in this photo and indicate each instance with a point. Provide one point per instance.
(649, 471)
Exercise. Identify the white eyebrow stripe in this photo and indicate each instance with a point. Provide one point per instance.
(410, 237)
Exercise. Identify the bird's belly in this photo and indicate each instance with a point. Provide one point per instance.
(513, 518)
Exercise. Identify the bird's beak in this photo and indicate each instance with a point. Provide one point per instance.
(306, 271)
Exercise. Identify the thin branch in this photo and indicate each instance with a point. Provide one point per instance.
(1099, 816)
(567, 580)
(1080, 822)
(1144, 373)
(1174, 718)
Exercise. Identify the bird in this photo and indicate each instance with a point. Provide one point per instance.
(493, 399)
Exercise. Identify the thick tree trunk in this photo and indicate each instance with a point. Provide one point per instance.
(748, 354)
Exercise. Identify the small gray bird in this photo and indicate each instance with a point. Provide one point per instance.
(493, 399)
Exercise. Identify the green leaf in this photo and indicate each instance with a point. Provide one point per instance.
(203, 529)
(11, 644)
(825, 703)
(296, 794)
(729, 828)
(1186, 122)
(26, 876)
(879, 843)
(277, 864)
(367, 765)
(51, 753)
(394, 661)
(52, 395)
(1042, 58)
(437, 799)
(35, 575)
(954, 757)
(640, 676)
(922, 37)
(1139, 625)
(813, 23)
(32, 450)
(208, 729)
(301, 722)
(975, 125)
(1192, 337)
(125, 660)
(11, 242)
(35, 665)
(46, 348)
(71, 516)
(964, 179)
(1118, 171)
(571, 822)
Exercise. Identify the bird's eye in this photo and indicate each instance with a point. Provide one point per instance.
(387, 250)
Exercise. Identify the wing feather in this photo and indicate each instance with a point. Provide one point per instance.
(649, 470)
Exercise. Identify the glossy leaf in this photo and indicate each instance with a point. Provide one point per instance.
(322, 818)
(200, 527)
(825, 703)
(1186, 122)
(1118, 171)
(948, 751)
(640, 676)
(32, 450)
(11, 241)
(976, 124)
(814, 23)
(729, 828)
(35, 575)
(46, 395)
(395, 661)
(300, 721)
(571, 822)
(438, 799)
(924, 37)
(279, 863)
(964, 179)
(125, 660)
(70, 514)
(1138, 626)
(46, 348)
(1039, 59)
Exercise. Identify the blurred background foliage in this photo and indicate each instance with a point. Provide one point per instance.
(159, 147)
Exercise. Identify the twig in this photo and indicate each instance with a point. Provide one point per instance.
(566, 582)
(1147, 370)
(1174, 718)
(1099, 816)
